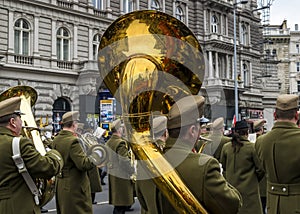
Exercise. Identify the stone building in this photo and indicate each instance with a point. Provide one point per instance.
(51, 45)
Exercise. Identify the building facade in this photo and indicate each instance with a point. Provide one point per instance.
(52, 45)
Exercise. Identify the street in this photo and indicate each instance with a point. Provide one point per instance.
(102, 205)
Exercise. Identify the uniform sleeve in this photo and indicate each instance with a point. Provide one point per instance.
(223, 160)
(124, 159)
(37, 165)
(81, 161)
(219, 195)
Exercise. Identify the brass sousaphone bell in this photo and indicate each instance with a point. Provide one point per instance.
(28, 97)
(149, 60)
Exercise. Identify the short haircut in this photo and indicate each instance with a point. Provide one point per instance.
(285, 114)
(175, 133)
(68, 124)
(5, 119)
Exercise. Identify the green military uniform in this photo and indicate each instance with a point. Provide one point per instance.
(73, 193)
(214, 147)
(279, 152)
(94, 178)
(244, 170)
(15, 196)
(201, 174)
(119, 172)
(146, 191)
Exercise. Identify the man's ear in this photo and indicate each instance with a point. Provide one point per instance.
(12, 122)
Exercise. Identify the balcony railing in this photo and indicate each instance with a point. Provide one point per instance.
(65, 65)
(99, 13)
(21, 59)
(65, 4)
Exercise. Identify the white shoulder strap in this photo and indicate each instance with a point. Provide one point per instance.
(22, 169)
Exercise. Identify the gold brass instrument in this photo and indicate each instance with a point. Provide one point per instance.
(28, 98)
(148, 60)
(90, 144)
(207, 140)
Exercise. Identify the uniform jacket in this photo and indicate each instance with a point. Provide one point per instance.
(279, 151)
(201, 174)
(15, 196)
(73, 193)
(119, 172)
(94, 178)
(244, 171)
(214, 147)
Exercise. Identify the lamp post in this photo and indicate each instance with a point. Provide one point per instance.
(236, 102)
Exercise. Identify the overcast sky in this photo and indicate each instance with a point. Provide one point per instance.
(285, 9)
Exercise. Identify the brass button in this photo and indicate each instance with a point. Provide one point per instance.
(283, 189)
(272, 188)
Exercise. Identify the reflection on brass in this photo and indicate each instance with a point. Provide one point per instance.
(148, 60)
(28, 98)
(204, 144)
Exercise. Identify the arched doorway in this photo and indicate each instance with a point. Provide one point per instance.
(60, 106)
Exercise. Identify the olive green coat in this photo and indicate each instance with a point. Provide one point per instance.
(147, 193)
(15, 196)
(95, 181)
(119, 171)
(214, 147)
(73, 193)
(201, 174)
(244, 171)
(279, 151)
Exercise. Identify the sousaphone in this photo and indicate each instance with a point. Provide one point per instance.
(28, 97)
(148, 60)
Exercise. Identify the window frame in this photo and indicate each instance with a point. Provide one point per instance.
(19, 45)
(214, 23)
(96, 43)
(60, 45)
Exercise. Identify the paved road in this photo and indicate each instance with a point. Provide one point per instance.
(102, 206)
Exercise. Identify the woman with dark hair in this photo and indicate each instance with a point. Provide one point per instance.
(242, 168)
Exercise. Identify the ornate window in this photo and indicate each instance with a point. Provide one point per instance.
(63, 40)
(246, 74)
(298, 66)
(244, 34)
(155, 5)
(96, 42)
(98, 4)
(214, 24)
(179, 13)
(22, 37)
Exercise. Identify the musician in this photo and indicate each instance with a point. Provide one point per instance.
(214, 147)
(279, 151)
(15, 196)
(93, 174)
(121, 190)
(73, 192)
(258, 126)
(200, 172)
(242, 167)
(160, 131)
